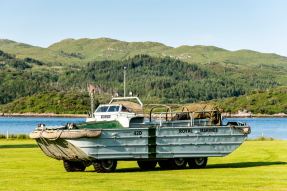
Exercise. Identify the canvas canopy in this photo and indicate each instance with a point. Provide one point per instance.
(215, 116)
(137, 109)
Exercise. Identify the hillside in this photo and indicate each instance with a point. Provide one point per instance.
(77, 52)
(155, 79)
(51, 102)
(257, 101)
(23, 77)
(170, 79)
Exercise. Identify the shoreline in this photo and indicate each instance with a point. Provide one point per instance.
(255, 116)
(86, 116)
(46, 115)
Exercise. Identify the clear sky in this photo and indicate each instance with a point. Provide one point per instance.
(258, 25)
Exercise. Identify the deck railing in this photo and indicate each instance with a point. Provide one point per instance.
(190, 114)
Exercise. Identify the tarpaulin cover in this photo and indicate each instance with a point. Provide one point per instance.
(215, 116)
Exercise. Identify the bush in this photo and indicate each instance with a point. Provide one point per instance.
(60, 94)
(272, 101)
(283, 108)
(22, 136)
(270, 112)
(260, 138)
(30, 103)
(12, 136)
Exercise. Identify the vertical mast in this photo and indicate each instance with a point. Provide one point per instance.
(125, 68)
(92, 104)
(92, 89)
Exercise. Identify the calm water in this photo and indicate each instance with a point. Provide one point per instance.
(26, 125)
(271, 127)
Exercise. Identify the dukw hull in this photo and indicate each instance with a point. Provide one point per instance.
(146, 143)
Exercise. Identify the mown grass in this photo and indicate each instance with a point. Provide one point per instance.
(256, 165)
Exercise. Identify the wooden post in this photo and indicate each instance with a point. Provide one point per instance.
(7, 134)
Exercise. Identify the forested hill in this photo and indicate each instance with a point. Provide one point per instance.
(164, 80)
(20, 77)
(268, 101)
(78, 52)
(169, 79)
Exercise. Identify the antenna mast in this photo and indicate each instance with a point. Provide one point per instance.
(92, 89)
(125, 68)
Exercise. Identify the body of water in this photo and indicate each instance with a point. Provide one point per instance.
(26, 125)
(271, 127)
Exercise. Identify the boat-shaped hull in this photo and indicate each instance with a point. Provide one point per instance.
(146, 143)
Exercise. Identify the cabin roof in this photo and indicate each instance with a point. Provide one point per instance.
(137, 109)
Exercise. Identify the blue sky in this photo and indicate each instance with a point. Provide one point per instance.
(230, 24)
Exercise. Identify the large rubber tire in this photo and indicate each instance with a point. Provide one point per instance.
(177, 163)
(164, 164)
(71, 166)
(147, 164)
(103, 166)
(197, 163)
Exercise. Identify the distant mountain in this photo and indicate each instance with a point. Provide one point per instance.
(77, 52)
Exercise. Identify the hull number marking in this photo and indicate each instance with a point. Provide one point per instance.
(138, 133)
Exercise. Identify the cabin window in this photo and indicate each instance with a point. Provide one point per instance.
(102, 109)
(114, 109)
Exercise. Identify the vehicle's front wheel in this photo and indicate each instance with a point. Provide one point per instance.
(108, 165)
(147, 164)
(197, 162)
(71, 166)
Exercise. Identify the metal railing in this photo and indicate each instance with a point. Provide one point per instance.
(191, 114)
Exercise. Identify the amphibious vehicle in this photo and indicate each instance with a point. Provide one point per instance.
(120, 131)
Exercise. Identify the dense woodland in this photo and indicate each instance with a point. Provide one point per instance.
(171, 80)
(51, 102)
(268, 101)
(157, 80)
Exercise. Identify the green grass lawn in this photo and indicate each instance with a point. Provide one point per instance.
(256, 165)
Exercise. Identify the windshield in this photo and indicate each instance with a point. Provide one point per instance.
(114, 108)
(102, 109)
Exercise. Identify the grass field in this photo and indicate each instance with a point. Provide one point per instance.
(256, 165)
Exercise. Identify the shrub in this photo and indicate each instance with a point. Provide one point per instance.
(260, 138)
(272, 101)
(60, 94)
(22, 136)
(270, 112)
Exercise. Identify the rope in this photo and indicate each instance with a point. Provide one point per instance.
(245, 130)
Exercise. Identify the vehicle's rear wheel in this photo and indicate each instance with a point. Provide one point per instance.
(164, 164)
(197, 162)
(147, 164)
(71, 166)
(177, 163)
(108, 165)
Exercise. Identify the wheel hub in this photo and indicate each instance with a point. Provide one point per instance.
(179, 161)
(107, 163)
(199, 161)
